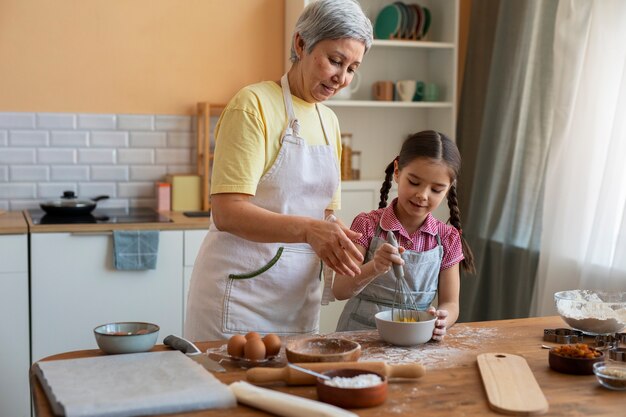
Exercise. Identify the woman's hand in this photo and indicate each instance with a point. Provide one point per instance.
(332, 242)
(385, 256)
(440, 323)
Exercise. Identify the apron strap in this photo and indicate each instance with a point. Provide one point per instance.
(293, 126)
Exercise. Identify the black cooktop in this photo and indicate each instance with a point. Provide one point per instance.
(138, 215)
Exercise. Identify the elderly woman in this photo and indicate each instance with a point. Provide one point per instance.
(275, 181)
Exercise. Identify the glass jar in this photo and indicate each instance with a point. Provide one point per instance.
(346, 156)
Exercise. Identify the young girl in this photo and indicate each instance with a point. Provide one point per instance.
(429, 250)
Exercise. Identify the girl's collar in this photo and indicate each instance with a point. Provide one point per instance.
(389, 222)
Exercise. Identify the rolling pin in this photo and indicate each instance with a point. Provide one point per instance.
(294, 377)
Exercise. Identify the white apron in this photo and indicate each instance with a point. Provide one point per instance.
(238, 285)
(421, 271)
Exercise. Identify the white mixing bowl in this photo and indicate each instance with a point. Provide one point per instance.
(405, 333)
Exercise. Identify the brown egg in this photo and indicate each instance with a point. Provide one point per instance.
(236, 345)
(252, 335)
(272, 344)
(254, 349)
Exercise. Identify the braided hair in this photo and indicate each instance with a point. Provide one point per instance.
(437, 146)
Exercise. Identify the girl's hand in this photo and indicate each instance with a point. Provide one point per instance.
(440, 323)
(385, 256)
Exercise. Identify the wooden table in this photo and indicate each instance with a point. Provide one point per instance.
(452, 385)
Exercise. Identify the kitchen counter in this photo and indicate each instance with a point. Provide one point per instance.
(452, 385)
(13, 223)
(178, 222)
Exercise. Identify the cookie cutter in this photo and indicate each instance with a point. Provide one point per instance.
(617, 354)
(563, 336)
(606, 341)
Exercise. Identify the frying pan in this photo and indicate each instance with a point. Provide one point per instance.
(70, 205)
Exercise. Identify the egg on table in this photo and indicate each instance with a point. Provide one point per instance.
(272, 345)
(236, 345)
(254, 349)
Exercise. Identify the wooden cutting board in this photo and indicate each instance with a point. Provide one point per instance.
(510, 385)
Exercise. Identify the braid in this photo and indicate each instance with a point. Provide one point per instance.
(455, 220)
(384, 190)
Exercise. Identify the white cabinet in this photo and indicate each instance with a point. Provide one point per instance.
(192, 242)
(75, 287)
(15, 357)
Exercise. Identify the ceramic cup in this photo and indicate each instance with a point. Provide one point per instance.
(406, 89)
(431, 92)
(419, 91)
(382, 90)
(346, 92)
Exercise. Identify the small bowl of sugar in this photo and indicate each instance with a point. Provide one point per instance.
(352, 388)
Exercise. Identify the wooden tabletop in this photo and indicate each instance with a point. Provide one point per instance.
(452, 385)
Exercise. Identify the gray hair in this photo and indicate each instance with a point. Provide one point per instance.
(332, 19)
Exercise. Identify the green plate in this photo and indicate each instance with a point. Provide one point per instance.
(427, 24)
(387, 22)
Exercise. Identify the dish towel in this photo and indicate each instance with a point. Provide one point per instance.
(135, 249)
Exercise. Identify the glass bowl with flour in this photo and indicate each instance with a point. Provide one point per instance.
(593, 312)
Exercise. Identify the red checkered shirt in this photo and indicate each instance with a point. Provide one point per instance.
(424, 238)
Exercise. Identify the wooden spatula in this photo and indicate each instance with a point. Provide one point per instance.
(510, 384)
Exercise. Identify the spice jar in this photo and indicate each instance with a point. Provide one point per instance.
(356, 165)
(346, 156)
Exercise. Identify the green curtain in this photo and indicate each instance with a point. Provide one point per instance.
(503, 133)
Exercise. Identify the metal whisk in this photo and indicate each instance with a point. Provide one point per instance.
(404, 306)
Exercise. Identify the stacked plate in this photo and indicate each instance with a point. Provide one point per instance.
(402, 21)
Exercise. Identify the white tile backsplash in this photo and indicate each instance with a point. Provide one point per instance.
(173, 123)
(44, 154)
(97, 121)
(17, 156)
(172, 156)
(29, 173)
(180, 140)
(148, 140)
(148, 173)
(135, 122)
(109, 139)
(96, 156)
(54, 190)
(63, 139)
(17, 120)
(135, 156)
(92, 190)
(136, 189)
(28, 138)
(56, 156)
(56, 121)
(9, 191)
(69, 173)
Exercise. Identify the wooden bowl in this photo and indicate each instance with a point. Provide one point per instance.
(323, 349)
(569, 365)
(351, 397)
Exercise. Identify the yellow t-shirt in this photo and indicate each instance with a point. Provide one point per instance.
(247, 137)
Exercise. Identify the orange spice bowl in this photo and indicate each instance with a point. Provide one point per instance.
(351, 397)
(573, 365)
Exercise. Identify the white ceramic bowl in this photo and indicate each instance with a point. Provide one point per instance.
(405, 333)
(126, 337)
(593, 312)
